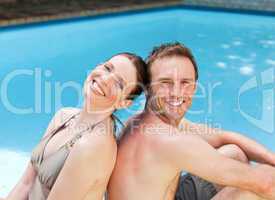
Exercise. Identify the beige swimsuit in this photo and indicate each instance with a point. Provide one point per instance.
(48, 168)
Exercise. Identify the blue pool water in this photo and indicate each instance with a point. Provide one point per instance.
(235, 53)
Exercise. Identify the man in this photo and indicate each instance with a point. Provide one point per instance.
(156, 147)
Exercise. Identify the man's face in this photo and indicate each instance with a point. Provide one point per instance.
(172, 87)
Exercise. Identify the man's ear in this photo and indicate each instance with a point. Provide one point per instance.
(124, 104)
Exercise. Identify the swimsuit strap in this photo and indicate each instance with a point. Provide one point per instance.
(117, 134)
(56, 130)
(119, 121)
(80, 134)
(115, 118)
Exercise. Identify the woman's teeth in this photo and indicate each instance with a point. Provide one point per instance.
(96, 87)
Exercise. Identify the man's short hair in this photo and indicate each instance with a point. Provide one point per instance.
(170, 50)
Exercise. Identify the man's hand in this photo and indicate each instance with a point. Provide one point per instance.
(268, 189)
(265, 158)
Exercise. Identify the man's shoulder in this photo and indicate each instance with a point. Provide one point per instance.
(134, 122)
(143, 125)
(197, 127)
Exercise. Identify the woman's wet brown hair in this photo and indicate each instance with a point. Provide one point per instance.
(141, 74)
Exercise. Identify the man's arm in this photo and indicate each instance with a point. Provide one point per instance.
(217, 138)
(253, 150)
(192, 154)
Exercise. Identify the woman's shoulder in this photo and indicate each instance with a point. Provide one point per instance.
(68, 110)
(64, 113)
(60, 117)
(101, 135)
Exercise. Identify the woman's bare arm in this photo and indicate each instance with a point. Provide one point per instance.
(22, 188)
(87, 170)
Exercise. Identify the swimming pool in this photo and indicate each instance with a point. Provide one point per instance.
(43, 67)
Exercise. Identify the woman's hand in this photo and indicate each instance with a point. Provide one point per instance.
(22, 188)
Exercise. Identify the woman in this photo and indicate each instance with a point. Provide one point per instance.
(76, 157)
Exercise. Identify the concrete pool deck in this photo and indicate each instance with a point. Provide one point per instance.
(14, 13)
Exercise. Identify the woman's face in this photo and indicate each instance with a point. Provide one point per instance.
(109, 84)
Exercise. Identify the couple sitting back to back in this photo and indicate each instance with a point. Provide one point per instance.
(79, 158)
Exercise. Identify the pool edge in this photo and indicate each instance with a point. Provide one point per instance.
(126, 10)
(86, 13)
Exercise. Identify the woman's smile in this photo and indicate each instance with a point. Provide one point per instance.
(97, 88)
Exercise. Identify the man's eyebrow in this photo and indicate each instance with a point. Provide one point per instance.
(187, 79)
(164, 79)
(170, 79)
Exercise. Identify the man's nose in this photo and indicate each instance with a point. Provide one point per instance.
(176, 89)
